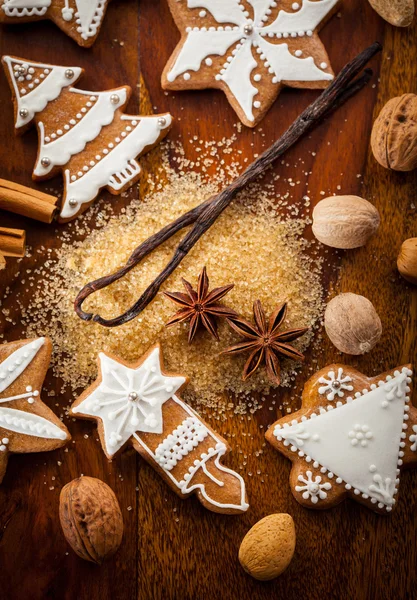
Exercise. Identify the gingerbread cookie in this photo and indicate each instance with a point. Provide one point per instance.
(249, 49)
(84, 135)
(26, 423)
(138, 404)
(80, 19)
(351, 438)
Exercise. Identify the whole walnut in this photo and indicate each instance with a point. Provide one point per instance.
(91, 518)
(394, 134)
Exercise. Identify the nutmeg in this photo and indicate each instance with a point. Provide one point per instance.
(91, 519)
(394, 134)
(352, 324)
(267, 549)
(345, 221)
(407, 260)
(397, 12)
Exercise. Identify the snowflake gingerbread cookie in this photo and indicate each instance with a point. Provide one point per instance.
(80, 19)
(139, 404)
(352, 437)
(85, 135)
(249, 49)
(26, 423)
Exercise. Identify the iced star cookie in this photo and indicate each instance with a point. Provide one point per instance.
(138, 404)
(26, 423)
(84, 135)
(249, 49)
(80, 19)
(352, 437)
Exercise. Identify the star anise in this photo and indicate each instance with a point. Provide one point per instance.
(264, 341)
(201, 307)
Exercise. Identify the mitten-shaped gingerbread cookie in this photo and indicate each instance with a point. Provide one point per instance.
(84, 135)
(249, 49)
(80, 19)
(26, 423)
(352, 437)
(139, 404)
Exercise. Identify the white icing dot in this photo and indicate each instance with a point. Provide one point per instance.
(295, 6)
(257, 104)
(257, 77)
(208, 62)
(202, 13)
(187, 76)
(323, 65)
(298, 53)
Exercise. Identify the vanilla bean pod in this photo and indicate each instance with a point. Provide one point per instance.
(203, 216)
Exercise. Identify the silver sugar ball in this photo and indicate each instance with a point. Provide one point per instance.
(24, 113)
(45, 161)
(162, 121)
(336, 384)
(248, 29)
(72, 202)
(114, 99)
(69, 73)
(133, 396)
(21, 70)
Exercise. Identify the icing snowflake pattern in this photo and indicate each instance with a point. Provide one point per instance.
(129, 400)
(335, 385)
(360, 436)
(255, 38)
(312, 487)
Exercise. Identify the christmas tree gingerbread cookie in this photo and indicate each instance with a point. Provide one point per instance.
(352, 437)
(249, 49)
(85, 135)
(138, 404)
(80, 19)
(26, 423)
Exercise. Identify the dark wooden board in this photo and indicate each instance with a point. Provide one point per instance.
(174, 549)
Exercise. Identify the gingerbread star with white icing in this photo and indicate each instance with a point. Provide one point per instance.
(26, 423)
(79, 19)
(352, 437)
(249, 49)
(138, 404)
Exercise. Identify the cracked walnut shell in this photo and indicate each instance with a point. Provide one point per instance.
(394, 134)
(91, 519)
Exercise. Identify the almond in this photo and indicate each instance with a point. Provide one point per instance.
(267, 549)
(91, 519)
(397, 12)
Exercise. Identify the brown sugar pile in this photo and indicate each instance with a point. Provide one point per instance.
(263, 254)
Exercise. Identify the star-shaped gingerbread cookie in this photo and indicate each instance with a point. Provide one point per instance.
(352, 437)
(139, 404)
(26, 423)
(249, 49)
(80, 19)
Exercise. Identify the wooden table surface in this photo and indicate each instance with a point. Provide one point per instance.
(176, 549)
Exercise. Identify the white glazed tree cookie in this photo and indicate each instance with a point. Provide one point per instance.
(138, 404)
(249, 49)
(85, 135)
(352, 437)
(80, 19)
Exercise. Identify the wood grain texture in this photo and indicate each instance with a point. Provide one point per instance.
(176, 549)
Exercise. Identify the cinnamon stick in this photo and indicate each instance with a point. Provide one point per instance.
(347, 83)
(26, 201)
(12, 242)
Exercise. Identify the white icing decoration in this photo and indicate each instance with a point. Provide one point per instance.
(312, 487)
(17, 362)
(20, 421)
(291, 435)
(48, 89)
(25, 8)
(89, 16)
(381, 412)
(116, 167)
(29, 424)
(413, 439)
(203, 42)
(112, 402)
(335, 385)
(185, 485)
(60, 150)
(180, 442)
